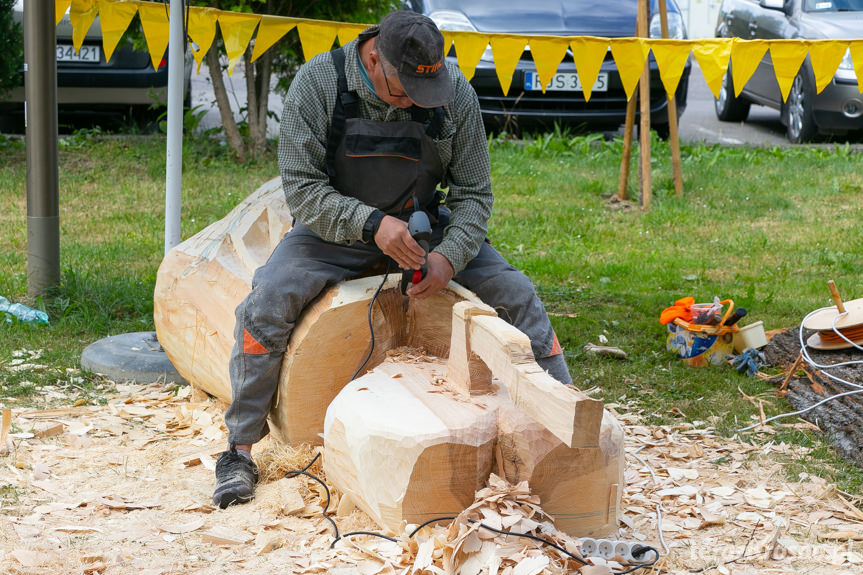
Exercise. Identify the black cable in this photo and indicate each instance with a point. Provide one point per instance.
(640, 550)
(534, 537)
(435, 520)
(338, 537)
(371, 327)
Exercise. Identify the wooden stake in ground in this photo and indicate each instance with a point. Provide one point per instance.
(645, 184)
(627, 148)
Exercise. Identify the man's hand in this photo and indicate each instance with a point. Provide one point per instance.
(395, 241)
(438, 273)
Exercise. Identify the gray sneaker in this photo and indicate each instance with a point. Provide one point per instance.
(235, 479)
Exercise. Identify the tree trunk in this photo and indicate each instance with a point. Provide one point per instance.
(232, 132)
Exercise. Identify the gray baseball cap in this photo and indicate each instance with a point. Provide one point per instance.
(412, 43)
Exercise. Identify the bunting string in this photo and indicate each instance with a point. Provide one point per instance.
(240, 30)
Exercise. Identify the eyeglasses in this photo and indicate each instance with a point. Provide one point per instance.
(387, 82)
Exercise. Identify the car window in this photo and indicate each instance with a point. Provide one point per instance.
(833, 5)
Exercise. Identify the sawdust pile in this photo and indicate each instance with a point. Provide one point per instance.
(125, 488)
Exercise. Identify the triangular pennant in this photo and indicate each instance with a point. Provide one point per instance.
(629, 55)
(348, 32)
(271, 30)
(447, 41)
(316, 37)
(60, 7)
(469, 48)
(856, 48)
(547, 53)
(154, 21)
(671, 57)
(507, 51)
(202, 31)
(588, 53)
(787, 55)
(115, 18)
(237, 29)
(825, 57)
(745, 57)
(81, 15)
(713, 56)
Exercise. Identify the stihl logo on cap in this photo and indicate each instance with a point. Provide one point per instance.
(428, 68)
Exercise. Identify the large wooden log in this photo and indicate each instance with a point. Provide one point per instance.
(406, 446)
(405, 440)
(201, 281)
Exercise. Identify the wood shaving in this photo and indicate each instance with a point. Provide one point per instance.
(120, 491)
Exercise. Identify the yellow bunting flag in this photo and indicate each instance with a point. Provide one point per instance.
(469, 47)
(856, 48)
(629, 55)
(588, 53)
(114, 18)
(745, 57)
(507, 51)
(202, 31)
(713, 56)
(348, 32)
(154, 21)
(237, 29)
(825, 57)
(547, 53)
(271, 30)
(81, 15)
(60, 7)
(787, 56)
(671, 57)
(447, 41)
(316, 37)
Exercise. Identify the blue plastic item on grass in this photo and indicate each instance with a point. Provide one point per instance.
(22, 312)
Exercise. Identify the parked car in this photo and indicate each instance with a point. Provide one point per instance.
(87, 84)
(838, 109)
(525, 106)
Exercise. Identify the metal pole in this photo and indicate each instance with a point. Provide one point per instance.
(174, 152)
(40, 117)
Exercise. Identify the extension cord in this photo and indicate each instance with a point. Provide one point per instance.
(633, 552)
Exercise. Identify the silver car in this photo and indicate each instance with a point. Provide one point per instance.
(838, 109)
(88, 84)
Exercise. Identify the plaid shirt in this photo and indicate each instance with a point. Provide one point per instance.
(305, 124)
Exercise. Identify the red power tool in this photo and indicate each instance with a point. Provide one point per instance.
(419, 227)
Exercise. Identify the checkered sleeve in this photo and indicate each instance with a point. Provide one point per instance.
(302, 152)
(468, 177)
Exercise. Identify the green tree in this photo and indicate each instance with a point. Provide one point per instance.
(282, 59)
(11, 48)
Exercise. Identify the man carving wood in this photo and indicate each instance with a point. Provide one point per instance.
(368, 133)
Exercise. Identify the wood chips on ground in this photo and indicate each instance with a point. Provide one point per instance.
(125, 488)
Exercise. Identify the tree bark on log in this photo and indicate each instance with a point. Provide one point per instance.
(841, 419)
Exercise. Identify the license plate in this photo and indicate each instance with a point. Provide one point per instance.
(87, 54)
(564, 82)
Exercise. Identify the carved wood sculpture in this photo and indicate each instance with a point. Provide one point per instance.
(413, 440)
(408, 439)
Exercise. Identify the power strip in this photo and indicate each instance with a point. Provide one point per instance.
(633, 552)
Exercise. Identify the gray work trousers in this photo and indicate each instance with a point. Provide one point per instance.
(302, 266)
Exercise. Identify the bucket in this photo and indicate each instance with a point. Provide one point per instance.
(700, 345)
(751, 335)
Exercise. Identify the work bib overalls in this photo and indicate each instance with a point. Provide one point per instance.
(392, 166)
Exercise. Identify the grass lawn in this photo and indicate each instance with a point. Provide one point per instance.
(765, 227)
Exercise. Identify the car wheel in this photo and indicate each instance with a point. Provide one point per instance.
(800, 110)
(728, 107)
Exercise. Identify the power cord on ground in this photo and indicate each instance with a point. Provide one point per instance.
(640, 550)
(824, 370)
